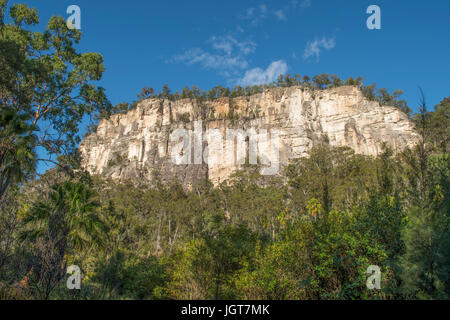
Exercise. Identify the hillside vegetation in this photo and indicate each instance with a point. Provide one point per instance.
(310, 235)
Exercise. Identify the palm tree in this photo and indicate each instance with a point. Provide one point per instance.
(62, 224)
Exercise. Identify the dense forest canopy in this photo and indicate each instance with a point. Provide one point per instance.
(312, 234)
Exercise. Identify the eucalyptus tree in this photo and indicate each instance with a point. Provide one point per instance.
(45, 80)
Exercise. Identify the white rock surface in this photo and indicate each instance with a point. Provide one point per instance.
(137, 145)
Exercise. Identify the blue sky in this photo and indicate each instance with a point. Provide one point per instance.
(209, 43)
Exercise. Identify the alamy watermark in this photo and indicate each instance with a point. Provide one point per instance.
(374, 20)
(74, 280)
(374, 281)
(74, 21)
(227, 149)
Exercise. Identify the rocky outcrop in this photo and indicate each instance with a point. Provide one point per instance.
(277, 125)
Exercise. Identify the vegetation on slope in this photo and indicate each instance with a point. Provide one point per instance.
(310, 238)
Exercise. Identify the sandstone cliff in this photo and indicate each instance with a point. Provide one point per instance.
(140, 143)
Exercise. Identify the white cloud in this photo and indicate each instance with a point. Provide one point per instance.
(305, 3)
(256, 14)
(261, 12)
(210, 60)
(261, 76)
(228, 55)
(228, 44)
(280, 15)
(240, 29)
(302, 4)
(314, 48)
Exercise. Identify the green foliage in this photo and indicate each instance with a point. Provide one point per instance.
(61, 223)
(335, 176)
(67, 215)
(319, 256)
(204, 268)
(310, 238)
(309, 234)
(131, 276)
(17, 156)
(438, 124)
(43, 76)
(425, 264)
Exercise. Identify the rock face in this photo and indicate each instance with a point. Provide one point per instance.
(191, 140)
